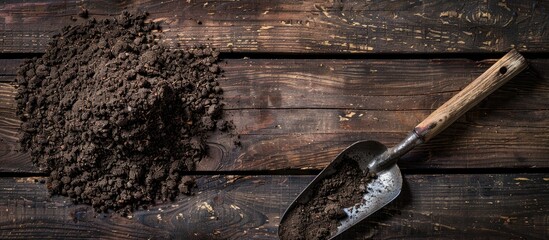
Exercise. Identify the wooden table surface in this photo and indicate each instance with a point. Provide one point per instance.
(305, 79)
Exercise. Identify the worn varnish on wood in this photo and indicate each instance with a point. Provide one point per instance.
(315, 26)
(243, 207)
(300, 112)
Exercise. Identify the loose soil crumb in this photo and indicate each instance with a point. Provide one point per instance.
(114, 117)
(320, 216)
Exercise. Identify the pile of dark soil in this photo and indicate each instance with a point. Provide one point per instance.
(319, 217)
(114, 117)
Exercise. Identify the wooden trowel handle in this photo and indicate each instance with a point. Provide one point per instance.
(502, 71)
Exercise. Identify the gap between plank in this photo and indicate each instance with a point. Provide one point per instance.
(282, 172)
(285, 55)
(438, 55)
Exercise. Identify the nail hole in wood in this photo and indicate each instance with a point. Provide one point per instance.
(502, 70)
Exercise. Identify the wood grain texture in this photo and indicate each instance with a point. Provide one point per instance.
(469, 206)
(13, 160)
(485, 206)
(301, 113)
(314, 26)
(312, 138)
(370, 84)
(27, 212)
(8, 67)
(492, 79)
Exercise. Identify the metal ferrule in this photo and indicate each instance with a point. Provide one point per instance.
(390, 157)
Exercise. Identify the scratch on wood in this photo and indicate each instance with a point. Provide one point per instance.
(444, 226)
(353, 46)
(422, 15)
(380, 223)
(234, 207)
(28, 180)
(350, 115)
(342, 119)
(207, 206)
(448, 14)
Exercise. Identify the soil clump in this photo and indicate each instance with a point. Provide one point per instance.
(319, 217)
(115, 117)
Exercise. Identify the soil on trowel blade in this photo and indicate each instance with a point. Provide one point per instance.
(319, 217)
(114, 116)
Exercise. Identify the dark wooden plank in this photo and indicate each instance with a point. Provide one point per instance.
(295, 114)
(28, 212)
(8, 67)
(373, 84)
(12, 160)
(475, 144)
(311, 139)
(468, 206)
(314, 26)
(363, 84)
(484, 206)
